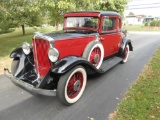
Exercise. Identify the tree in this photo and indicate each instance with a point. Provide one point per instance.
(112, 5)
(86, 4)
(131, 13)
(5, 23)
(27, 12)
(23, 12)
(33, 12)
(57, 8)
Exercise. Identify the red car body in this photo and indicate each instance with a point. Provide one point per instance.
(88, 43)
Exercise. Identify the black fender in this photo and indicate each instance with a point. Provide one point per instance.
(125, 41)
(16, 53)
(124, 32)
(26, 61)
(66, 64)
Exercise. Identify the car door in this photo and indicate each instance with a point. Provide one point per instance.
(109, 35)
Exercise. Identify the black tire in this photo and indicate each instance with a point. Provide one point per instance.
(98, 59)
(69, 93)
(125, 54)
(14, 66)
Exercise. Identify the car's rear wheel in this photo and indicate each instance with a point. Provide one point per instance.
(125, 54)
(71, 85)
(14, 65)
(94, 53)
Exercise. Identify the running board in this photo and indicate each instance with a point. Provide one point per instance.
(108, 64)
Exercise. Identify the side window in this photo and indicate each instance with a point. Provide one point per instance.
(109, 24)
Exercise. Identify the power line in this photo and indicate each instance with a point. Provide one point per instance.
(144, 4)
(143, 8)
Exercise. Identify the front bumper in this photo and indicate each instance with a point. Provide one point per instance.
(29, 86)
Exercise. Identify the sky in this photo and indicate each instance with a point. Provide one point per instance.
(144, 7)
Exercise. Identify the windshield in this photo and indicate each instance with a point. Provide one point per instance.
(81, 23)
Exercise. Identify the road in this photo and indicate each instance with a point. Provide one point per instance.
(101, 97)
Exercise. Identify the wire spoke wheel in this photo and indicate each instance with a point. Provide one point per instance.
(95, 56)
(75, 85)
(71, 85)
(94, 53)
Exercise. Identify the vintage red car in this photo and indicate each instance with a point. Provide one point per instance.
(58, 63)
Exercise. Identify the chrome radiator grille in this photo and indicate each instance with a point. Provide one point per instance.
(41, 60)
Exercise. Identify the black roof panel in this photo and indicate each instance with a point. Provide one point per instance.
(100, 12)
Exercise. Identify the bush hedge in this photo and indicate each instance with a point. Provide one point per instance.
(146, 24)
(153, 23)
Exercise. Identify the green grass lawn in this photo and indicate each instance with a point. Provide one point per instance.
(142, 101)
(140, 28)
(10, 41)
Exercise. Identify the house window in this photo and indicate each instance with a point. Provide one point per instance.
(109, 24)
(139, 19)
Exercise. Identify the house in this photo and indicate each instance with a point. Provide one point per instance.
(134, 20)
(150, 19)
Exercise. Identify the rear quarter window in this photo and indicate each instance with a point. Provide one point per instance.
(109, 24)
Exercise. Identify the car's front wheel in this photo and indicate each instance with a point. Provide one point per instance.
(125, 54)
(71, 85)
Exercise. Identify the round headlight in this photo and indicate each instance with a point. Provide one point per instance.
(53, 54)
(26, 48)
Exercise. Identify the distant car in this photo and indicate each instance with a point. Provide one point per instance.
(58, 63)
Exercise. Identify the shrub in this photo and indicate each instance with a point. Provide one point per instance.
(158, 23)
(2, 31)
(146, 24)
(154, 23)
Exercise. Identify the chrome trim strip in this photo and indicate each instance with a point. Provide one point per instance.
(29, 86)
(97, 37)
(35, 50)
(42, 36)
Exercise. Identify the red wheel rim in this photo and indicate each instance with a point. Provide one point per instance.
(95, 56)
(126, 53)
(75, 85)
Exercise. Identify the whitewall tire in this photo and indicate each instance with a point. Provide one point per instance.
(125, 54)
(94, 53)
(72, 85)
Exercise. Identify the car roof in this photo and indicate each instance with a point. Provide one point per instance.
(99, 13)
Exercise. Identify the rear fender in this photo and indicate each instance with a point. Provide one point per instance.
(125, 41)
(66, 64)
